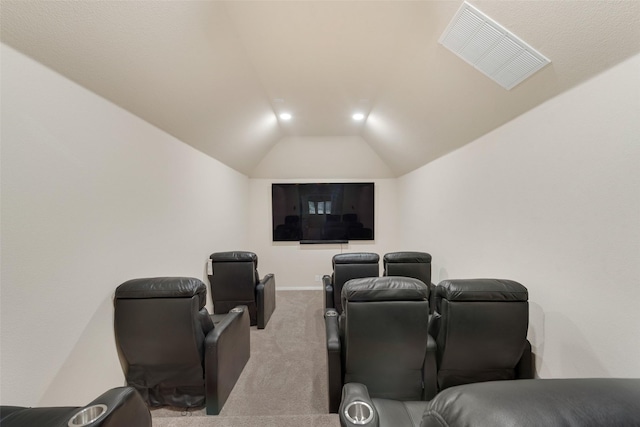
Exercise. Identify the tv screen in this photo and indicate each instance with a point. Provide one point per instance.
(323, 212)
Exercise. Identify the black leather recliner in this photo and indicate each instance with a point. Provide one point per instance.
(410, 264)
(381, 340)
(580, 402)
(584, 402)
(121, 406)
(170, 350)
(481, 335)
(234, 280)
(481, 331)
(348, 266)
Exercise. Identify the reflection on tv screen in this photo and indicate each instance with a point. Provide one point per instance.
(323, 212)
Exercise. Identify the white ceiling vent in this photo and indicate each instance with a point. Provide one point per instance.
(490, 47)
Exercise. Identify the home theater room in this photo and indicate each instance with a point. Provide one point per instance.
(319, 213)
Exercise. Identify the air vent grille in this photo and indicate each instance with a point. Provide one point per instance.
(491, 48)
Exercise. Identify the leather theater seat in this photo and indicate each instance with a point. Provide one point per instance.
(234, 280)
(583, 402)
(481, 331)
(543, 402)
(381, 340)
(480, 335)
(121, 406)
(170, 350)
(353, 265)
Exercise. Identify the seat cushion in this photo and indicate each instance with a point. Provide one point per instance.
(395, 413)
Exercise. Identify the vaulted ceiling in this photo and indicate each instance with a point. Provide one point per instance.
(216, 74)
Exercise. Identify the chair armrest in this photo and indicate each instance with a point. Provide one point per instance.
(265, 299)
(430, 370)
(226, 354)
(125, 407)
(525, 369)
(334, 359)
(352, 393)
(328, 292)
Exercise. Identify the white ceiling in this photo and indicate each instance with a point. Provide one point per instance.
(215, 73)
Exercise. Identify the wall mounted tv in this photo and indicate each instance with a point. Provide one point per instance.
(323, 212)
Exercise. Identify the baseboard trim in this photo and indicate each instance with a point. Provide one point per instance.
(300, 288)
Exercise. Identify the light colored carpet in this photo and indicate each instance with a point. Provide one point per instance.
(317, 420)
(284, 384)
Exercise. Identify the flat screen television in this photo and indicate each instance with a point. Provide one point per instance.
(323, 212)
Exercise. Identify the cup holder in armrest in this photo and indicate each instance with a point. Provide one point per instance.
(87, 415)
(358, 412)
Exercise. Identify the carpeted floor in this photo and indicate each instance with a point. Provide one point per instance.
(284, 384)
(318, 420)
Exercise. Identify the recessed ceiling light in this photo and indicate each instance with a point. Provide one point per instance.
(285, 116)
(358, 116)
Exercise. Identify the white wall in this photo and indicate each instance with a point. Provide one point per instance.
(92, 196)
(551, 199)
(296, 265)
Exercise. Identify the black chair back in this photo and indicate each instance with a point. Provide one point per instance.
(385, 335)
(160, 326)
(408, 264)
(234, 281)
(352, 266)
(481, 333)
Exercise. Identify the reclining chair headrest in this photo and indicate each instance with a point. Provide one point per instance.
(481, 290)
(407, 257)
(387, 288)
(163, 287)
(235, 256)
(356, 258)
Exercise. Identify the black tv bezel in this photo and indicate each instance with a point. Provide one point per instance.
(323, 241)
